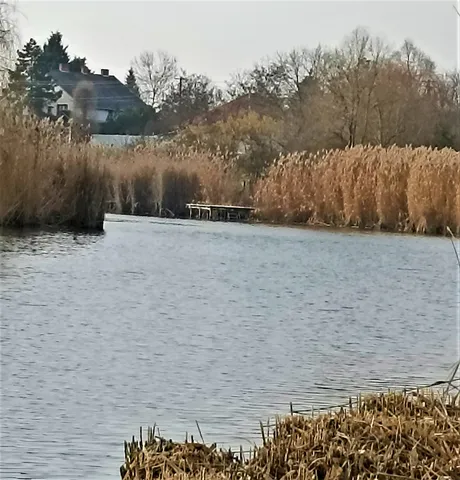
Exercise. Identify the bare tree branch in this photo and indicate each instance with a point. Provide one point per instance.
(155, 73)
(8, 39)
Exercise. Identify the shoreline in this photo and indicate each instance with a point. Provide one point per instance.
(63, 228)
(375, 435)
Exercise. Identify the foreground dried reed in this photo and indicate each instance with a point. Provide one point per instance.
(44, 179)
(399, 189)
(396, 435)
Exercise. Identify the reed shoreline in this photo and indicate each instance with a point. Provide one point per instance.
(308, 226)
(393, 435)
(351, 229)
(64, 228)
(45, 180)
(404, 190)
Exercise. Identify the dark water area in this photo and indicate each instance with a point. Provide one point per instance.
(172, 322)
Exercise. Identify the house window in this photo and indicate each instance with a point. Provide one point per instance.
(62, 108)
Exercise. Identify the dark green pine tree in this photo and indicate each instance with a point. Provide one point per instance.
(131, 82)
(29, 79)
(77, 63)
(18, 78)
(54, 52)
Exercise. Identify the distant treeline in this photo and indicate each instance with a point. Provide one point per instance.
(362, 92)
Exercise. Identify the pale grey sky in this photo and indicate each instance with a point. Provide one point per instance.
(219, 37)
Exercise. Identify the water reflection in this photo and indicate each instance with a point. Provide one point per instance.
(40, 242)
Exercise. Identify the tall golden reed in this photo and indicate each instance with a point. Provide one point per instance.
(45, 179)
(399, 189)
(157, 179)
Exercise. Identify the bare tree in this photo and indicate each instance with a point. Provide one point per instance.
(299, 67)
(288, 84)
(266, 79)
(8, 39)
(155, 72)
(409, 98)
(349, 74)
(195, 96)
(393, 94)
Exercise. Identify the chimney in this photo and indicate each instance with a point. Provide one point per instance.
(63, 67)
(105, 72)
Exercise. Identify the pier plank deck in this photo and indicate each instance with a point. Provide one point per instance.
(204, 211)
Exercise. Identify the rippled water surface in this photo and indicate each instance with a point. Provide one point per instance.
(177, 321)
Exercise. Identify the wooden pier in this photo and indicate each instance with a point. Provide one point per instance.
(225, 213)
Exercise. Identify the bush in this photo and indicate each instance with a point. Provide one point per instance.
(250, 140)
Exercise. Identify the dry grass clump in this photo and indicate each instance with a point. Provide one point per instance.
(400, 189)
(158, 180)
(403, 435)
(44, 179)
(160, 458)
(394, 435)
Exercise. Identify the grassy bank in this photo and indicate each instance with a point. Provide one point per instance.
(396, 435)
(396, 189)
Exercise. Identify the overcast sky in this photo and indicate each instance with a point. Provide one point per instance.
(219, 37)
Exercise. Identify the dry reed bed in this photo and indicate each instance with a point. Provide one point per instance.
(160, 179)
(44, 179)
(399, 189)
(396, 435)
(47, 180)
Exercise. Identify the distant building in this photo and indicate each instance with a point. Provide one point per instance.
(239, 106)
(110, 95)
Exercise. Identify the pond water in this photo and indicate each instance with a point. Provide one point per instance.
(172, 322)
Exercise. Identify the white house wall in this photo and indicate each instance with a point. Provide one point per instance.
(99, 116)
(65, 99)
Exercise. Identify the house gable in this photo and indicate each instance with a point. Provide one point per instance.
(110, 94)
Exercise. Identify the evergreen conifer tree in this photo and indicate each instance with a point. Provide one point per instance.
(131, 82)
(54, 52)
(30, 81)
(77, 63)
